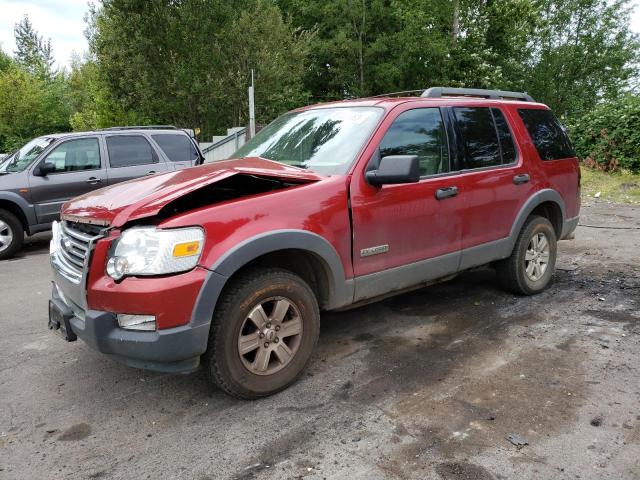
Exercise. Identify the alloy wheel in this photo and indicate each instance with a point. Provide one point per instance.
(6, 236)
(536, 259)
(270, 336)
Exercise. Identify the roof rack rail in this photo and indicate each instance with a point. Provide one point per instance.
(396, 94)
(143, 127)
(438, 92)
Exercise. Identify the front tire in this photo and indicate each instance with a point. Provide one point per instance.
(263, 332)
(530, 268)
(11, 234)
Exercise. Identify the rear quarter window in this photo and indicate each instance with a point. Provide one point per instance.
(548, 135)
(177, 148)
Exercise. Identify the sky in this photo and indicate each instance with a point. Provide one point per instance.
(63, 22)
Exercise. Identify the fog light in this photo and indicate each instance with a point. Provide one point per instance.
(137, 322)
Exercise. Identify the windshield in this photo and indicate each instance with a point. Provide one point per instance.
(23, 157)
(325, 140)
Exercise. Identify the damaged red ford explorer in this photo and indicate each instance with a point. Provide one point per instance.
(229, 264)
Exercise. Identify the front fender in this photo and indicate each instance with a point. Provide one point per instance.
(341, 290)
(27, 209)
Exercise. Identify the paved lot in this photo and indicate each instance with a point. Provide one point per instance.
(426, 385)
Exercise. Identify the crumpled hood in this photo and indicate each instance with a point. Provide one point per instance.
(146, 196)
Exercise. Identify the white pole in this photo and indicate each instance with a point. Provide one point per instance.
(252, 110)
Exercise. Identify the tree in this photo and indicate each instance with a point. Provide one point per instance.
(5, 61)
(188, 63)
(583, 52)
(261, 40)
(30, 106)
(32, 52)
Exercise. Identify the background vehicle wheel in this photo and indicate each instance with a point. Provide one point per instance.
(532, 263)
(264, 329)
(11, 234)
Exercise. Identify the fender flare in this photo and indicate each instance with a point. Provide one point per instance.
(27, 209)
(546, 195)
(340, 289)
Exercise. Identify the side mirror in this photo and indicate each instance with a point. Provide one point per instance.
(395, 169)
(44, 169)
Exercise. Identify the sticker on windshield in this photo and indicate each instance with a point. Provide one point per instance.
(355, 116)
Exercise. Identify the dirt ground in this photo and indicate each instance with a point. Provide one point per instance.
(426, 385)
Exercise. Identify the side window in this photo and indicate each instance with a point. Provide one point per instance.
(75, 155)
(547, 134)
(177, 148)
(507, 146)
(479, 137)
(129, 150)
(419, 132)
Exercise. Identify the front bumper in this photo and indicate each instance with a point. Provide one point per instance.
(175, 349)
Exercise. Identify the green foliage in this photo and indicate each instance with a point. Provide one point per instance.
(5, 61)
(584, 52)
(189, 62)
(30, 106)
(608, 137)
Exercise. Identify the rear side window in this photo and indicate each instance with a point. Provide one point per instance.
(547, 134)
(486, 138)
(177, 148)
(479, 137)
(419, 132)
(504, 135)
(129, 150)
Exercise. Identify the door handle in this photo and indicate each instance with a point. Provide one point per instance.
(93, 181)
(522, 178)
(151, 172)
(447, 192)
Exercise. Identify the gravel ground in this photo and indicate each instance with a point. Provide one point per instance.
(426, 385)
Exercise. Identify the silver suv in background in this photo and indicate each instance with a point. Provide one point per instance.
(37, 179)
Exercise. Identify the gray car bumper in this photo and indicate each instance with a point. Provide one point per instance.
(171, 350)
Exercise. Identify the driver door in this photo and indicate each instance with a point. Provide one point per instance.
(76, 169)
(407, 234)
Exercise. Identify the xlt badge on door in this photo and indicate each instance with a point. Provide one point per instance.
(367, 252)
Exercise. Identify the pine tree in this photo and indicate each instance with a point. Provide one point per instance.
(32, 51)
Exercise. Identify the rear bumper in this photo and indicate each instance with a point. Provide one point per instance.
(175, 349)
(569, 227)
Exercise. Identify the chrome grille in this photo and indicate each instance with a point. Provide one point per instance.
(75, 242)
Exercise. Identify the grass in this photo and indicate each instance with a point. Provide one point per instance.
(619, 187)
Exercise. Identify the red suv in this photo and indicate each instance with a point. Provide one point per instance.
(229, 264)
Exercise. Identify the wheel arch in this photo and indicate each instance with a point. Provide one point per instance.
(546, 203)
(304, 253)
(16, 207)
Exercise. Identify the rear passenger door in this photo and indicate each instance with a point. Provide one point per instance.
(132, 156)
(496, 183)
(178, 148)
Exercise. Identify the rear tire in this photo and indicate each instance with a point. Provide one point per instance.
(263, 332)
(530, 268)
(11, 234)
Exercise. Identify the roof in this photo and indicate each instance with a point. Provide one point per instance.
(436, 95)
(390, 102)
(112, 131)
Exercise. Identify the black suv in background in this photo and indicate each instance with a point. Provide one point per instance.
(37, 179)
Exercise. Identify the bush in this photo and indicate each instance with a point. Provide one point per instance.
(608, 137)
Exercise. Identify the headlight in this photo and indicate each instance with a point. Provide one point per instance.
(150, 251)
